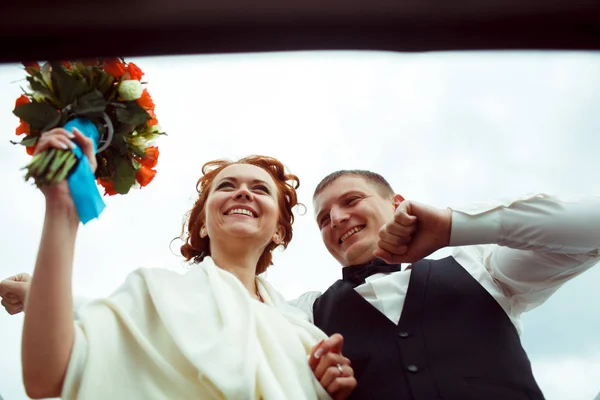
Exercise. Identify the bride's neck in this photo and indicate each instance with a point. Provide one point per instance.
(239, 260)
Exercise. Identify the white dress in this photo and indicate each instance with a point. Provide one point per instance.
(164, 335)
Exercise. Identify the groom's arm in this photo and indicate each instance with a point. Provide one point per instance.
(305, 303)
(533, 245)
(538, 243)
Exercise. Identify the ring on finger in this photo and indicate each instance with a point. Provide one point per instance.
(339, 367)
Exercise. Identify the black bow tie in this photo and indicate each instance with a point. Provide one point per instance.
(358, 273)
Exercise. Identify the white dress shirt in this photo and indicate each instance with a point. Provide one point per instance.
(520, 251)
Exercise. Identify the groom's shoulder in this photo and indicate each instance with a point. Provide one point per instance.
(305, 303)
(308, 297)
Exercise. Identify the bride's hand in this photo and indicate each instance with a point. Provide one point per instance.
(62, 139)
(331, 368)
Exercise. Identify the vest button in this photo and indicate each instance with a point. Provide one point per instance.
(403, 335)
(412, 368)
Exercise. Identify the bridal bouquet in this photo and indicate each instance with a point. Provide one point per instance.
(106, 100)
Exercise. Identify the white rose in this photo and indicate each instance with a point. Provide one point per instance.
(130, 90)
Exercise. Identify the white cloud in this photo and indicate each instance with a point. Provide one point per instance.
(569, 378)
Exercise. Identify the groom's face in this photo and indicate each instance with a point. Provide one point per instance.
(350, 212)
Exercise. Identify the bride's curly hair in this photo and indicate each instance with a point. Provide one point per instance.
(196, 248)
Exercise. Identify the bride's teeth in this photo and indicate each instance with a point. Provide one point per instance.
(241, 211)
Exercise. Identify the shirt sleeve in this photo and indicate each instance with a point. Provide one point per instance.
(305, 303)
(531, 246)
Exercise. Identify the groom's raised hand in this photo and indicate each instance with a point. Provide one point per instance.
(416, 231)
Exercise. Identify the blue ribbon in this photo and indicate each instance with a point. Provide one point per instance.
(82, 181)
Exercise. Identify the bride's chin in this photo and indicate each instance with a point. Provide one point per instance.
(234, 233)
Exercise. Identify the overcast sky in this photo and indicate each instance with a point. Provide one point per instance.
(445, 128)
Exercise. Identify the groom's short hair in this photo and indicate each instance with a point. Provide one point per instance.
(383, 186)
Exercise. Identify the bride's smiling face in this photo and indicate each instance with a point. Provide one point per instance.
(243, 203)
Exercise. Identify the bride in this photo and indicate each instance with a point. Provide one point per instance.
(218, 331)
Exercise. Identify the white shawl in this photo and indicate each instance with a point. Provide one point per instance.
(163, 335)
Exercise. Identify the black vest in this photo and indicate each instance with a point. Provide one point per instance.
(453, 340)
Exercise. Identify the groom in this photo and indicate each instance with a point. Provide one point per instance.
(442, 329)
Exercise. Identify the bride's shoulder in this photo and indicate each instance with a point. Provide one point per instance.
(154, 271)
(156, 275)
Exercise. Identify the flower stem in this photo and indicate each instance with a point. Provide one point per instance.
(50, 166)
(57, 162)
(66, 168)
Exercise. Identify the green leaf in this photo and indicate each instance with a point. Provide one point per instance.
(105, 82)
(29, 140)
(124, 177)
(38, 115)
(133, 114)
(67, 86)
(137, 151)
(124, 129)
(104, 167)
(53, 124)
(64, 118)
(91, 105)
(40, 87)
(118, 144)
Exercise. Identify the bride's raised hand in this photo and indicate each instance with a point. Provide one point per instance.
(62, 139)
